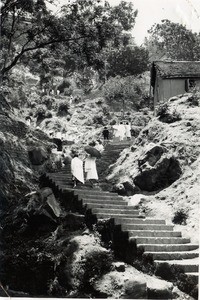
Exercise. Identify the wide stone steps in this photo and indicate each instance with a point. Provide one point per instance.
(152, 236)
(91, 192)
(63, 179)
(112, 215)
(127, 211)
(138, 221)
(103, 197)
(154, 233)
(168, 247)
(171, 255)
(127, 227)
(161, 240)
(97, 205)
(103, 202)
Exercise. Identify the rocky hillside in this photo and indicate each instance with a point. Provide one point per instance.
(162, 165)
(43, 245)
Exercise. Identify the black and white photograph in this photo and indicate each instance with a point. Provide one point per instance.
(99, 149)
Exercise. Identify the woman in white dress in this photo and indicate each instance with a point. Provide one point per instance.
(77, 170)
(122, 130)
(128, 131)
(90, 169)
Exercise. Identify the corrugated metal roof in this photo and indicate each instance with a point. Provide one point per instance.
(176, 69)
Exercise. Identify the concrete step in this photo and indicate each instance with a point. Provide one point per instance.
(59, 176)
(87, 190)
(188, 265)
(172, 255)
(97, 205)
(63, 182)
(161, 240)
(109, 215)
(128, 211)
(67, 186)
(92, 192)
(103, 202)
(102, 197)
(168, 248)
(61, 179)
(136, 221)
(127, 227)
(194, 276)
(154, 233)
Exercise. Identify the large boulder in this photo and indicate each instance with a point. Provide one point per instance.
(157, 169)
(135, 289)
(47, 195)
(159, 289)
(152, 155)
(128, 284)
(130, 189)
(87, 261)
(38, 213)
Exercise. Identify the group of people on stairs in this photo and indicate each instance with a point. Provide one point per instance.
(89, 166)
(77, 170)
(122, 131)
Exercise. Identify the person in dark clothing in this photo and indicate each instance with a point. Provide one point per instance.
(105, 133)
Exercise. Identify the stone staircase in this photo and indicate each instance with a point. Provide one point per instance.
(109, 156)
(152, 237)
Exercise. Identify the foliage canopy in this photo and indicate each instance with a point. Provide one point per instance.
(80, 30)
(174, 41)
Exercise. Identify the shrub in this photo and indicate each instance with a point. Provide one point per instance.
(105, 110)
(48, 101)
(48, 114)
(162, 110)
(77, 99)
(68, 91)
(41, 110)
(125, 92)
(144, 264)
(63, 109)
(98, 120)
(194, 99)
(96, 263)
(99, 102)
(113, 122)
(180, 217)
(187, 285)
(176, 275)
(63, 85)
